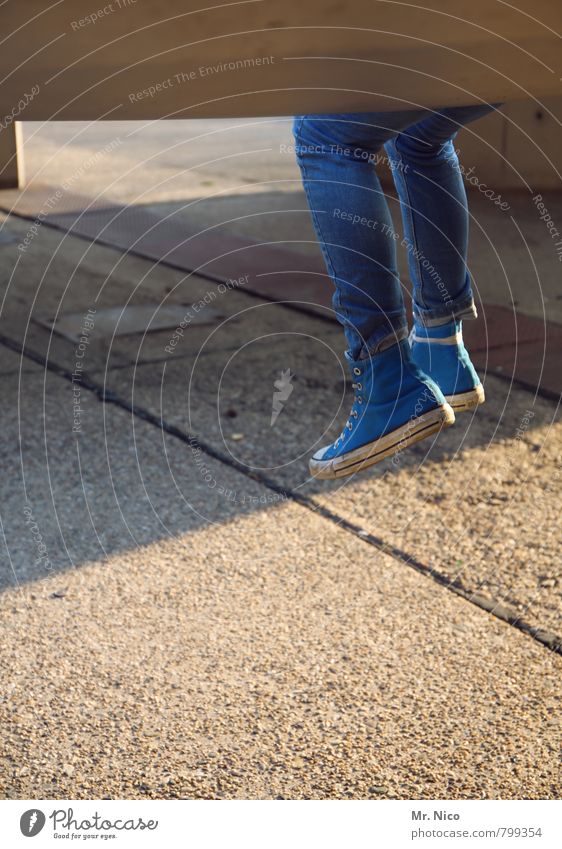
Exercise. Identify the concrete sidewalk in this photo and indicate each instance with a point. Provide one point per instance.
(173, 627)
(185, 613)
(240, 177)
(183, 645)
(477, 507)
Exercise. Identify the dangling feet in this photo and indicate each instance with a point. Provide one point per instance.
(395, 405)
(440, 353)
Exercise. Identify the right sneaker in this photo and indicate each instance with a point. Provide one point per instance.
(440, 353)
(395, 405)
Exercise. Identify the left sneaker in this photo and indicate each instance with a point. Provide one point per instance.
(440, 353)
(395, 406)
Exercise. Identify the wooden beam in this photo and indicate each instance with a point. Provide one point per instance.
(12, 173)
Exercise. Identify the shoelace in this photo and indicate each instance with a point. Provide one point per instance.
(349, 424)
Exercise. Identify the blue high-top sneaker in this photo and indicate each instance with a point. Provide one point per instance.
(440, 353)
(395, 405)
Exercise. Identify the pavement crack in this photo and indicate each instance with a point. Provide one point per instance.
(107, 396)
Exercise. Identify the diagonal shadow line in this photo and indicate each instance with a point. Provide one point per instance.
(499, 611)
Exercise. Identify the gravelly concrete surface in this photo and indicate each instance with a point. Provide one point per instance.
(71, 498)
(170, 632)
(241, 177)
(268, 655)
(184, 670)
(479, 504)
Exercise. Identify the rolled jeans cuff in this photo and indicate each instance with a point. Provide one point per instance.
(461, 309)
(379, 342)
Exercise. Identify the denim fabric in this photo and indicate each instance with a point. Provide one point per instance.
(337, 155)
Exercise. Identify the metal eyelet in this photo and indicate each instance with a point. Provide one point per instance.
(349, 425)
(360, 400)
(356, 370)
(359, 386)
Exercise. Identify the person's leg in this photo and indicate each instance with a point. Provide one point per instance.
(435, 216)
(395, 403)
(337, 155)
(434, 211)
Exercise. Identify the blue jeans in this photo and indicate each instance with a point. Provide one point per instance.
(337, 155)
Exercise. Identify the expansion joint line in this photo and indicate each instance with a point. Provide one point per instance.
(511, 617)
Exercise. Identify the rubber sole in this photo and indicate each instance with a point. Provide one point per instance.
(367, 455)
(463, 401)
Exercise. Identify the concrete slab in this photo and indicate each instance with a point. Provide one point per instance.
(57, 274)
(471, 491)
(80, 482)
(187, 631)
(277, 263)
(479, 503)
(204, 646)
(126, 320)
(240, 177)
